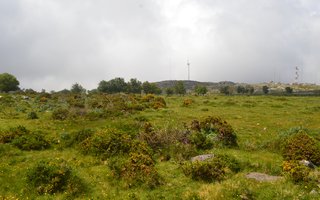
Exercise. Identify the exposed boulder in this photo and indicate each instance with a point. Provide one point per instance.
(261, 177)
(202, 157)
(307, 164)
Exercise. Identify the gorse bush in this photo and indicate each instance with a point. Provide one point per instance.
(137, 167)
(6, 136)
(295, 171)
(212, 169)
(60, 114)
(169, 143)
(31, 141)
(301, 146)
(202, 140)
(54, 176)
(209, 170)
(213, 130)
(32, 115)
(187, 102)
(106, 143)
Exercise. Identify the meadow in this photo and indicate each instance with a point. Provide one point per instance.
(65, 146)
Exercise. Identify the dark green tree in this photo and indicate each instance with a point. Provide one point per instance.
(265, 89)
(289, 90)
(8, 83)
(77, 89)
(115, 85)
(179, 88)
(103, 86)
(249, 89)
(151, 88)
(134, 86)
(241, 89)
(201, 90)
(169, 91)
(227, 90)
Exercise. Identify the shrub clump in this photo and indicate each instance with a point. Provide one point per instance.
(60, 114)
(6, 136)
(209, 170)
(187, 102)
(301, 146)
(106, 143)
(171, 143)
(54, 176)
(212, 130)
(137, 168)
(295, 171)
(31, 141)
(32, 115)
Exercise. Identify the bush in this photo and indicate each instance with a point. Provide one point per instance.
(53, 176)
(8, 135)
(230, 162)
(60, 114)
(187, 102)
(295, 171)
(31, 141)
(213, 130)
(170, 143)
(136, 169)
(201, 140)
(32, 115)
(301, 147)
(106, 143)
(209, 170)
(159, 102)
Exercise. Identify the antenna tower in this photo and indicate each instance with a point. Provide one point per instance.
(188, 63)
(297, 75)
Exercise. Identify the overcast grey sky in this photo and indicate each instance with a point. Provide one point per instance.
(52, 44)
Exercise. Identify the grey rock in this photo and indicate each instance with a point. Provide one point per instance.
(262, 177)
(307, 164)
(202, 157)
(314, 192)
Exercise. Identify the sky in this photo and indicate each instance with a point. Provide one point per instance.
(53, 44)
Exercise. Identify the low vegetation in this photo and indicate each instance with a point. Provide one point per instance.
(78, 145)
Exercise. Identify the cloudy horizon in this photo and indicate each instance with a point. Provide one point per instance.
(54, 43)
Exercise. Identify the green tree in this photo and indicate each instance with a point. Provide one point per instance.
(265, 89)
(103, 86)
(112, 86)
(179, 88)
(201, 90)
(241, 89)
(134, 86)
(227, 90)
(169, 91)
(8, 83)
(77, 89)
(151, 88)
(289, 90)
(249, 89)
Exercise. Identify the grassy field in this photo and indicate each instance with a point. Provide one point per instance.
(257, 121)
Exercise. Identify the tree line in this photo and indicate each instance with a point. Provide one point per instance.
(9, 82)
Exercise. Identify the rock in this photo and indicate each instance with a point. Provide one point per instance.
(25, 97)
(307, 164)
(202, 157)
(313, 192)
(262, 177)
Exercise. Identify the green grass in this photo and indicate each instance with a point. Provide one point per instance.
(255, 119)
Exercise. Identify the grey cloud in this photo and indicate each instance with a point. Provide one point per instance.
(54, 43)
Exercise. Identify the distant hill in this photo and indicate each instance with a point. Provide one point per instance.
(275, 88)
(189, 85)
